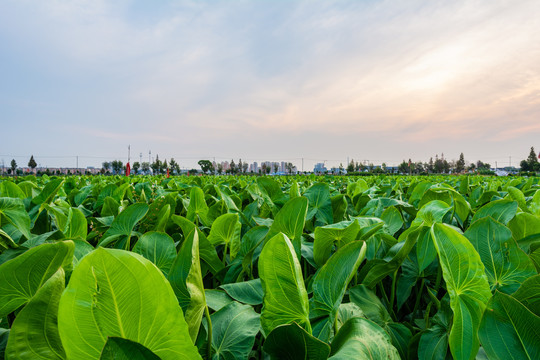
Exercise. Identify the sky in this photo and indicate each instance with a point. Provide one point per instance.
(326, 81)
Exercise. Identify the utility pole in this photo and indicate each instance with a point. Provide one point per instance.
(496, 167)
(510, 161)
(149, 153)
(302, 165)
(140, 158)
(215, 166)
(77, 170)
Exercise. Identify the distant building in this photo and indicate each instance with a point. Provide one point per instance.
(319, 168)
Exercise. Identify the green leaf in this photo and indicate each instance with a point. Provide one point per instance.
(9, 189)
(320, 205)
(285, 297)
(371, 305)
(362, 339)
(118, 293)
(524, 225)
(117, 348)
(434, 341)
(431, 213)
(234, 329)
(216, 299)
(186, 280)
(20, 278)
(330, 283)
(500, 210)
(529, 294)
(247, 292)
(76, 226)
(197, 209)
(207, 251)
(509, 330)
(46, 196)
(13, 210)
(507, 266)
(291, 342)
(122, 227)
(516, 195)
(290, 221)
(34, 333)
(467, 286)
(326, 237)
(393, 219)
(157, 247)
(226, 230)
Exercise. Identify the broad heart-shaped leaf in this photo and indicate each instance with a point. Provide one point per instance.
(434, 341)
(501, 210)
(34, 333)
(393, 219)
(534, 204)
(431, 213)
(507, 266)
(9, 189)
(292, 342)
(327, 236)
(207, 251)
(117, 348)
(360, 338)
(320, 204)
(247, 292)
(157, 247)
(12, 209)
(46, 196)
(226, 230)
(234, 329)
(371, 305)
(467, 286)
(122, 227)
(197, 209)
(524, 225)
(509, 330)
(529, 294)
(285, 296)
(329, 286)
(290, 221)
(186, 280)
(20, 278)
(118, 293)
(76, 225)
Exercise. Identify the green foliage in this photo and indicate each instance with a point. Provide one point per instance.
(237, 267)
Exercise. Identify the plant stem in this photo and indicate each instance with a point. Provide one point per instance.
(225, 255)
(417, 302)
(393, 291)
(209, 345)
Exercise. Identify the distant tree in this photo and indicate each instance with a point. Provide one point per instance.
(245, 166)
(263, 168)
(383, 167)
(232, 167)
(32, 163)
(460, 164)
(531, 164)
(472, 167)
(403, 168)
(164, 167)
(430, 167)
(240, 166)
(13, 166)
(350, 166)
(145, 167)
(220, 168)
(175, 168)
(276, 167)
(482, 166)
(106, 166)
(156, 166)
(136, 167)
(117, 166)
(206, 166)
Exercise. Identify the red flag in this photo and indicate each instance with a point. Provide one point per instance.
(539, 154)
(128, 169)
(168, 172)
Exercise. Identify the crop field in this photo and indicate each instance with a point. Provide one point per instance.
(298, 267)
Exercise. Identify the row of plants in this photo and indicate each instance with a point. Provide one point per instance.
(296, 267)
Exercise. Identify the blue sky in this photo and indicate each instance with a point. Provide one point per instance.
(269, 80)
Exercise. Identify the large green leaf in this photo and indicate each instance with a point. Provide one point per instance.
(292, 342)
(285, 297)
(34, 334)
(20, 278)
(529, 294)
(467, 286)
(329, 286)
(247, 292)
(47, 195)
(434, 341)
(186, 280)
(197, 209)
(362, 339)
(326, 237)
(157, 247)
(207, 251)
(122, 227)
(507, 266)
(290, 221)
(320, 204)
(501, 210)
(509, 330)
(117, 348)
(12, 209)
(234, 329)
(118, 293)
(226, 230)
(524, 225)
